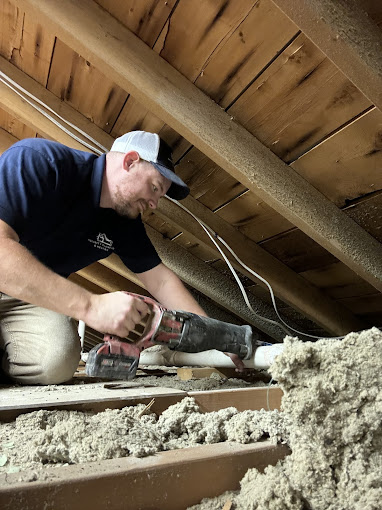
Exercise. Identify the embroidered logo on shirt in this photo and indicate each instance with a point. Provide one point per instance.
(102, 242)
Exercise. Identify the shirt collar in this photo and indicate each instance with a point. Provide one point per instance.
(97, 177)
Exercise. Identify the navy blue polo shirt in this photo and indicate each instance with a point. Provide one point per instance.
(50, 194)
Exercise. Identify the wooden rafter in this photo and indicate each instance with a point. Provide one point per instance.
(287, 285)
(139, 70)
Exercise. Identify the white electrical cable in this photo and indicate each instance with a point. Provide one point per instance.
(17, 88)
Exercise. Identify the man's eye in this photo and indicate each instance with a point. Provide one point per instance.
(155, 189)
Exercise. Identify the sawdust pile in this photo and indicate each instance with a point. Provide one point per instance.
(333, 407)
(46, 438)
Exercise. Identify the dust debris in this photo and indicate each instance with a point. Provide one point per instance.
(59, 437)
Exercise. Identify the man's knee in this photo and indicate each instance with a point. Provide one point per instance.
(48, 358)
(61, 364)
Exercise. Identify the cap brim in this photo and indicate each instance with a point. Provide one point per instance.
(178, 189)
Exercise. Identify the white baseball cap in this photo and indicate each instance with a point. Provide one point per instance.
(153, 149)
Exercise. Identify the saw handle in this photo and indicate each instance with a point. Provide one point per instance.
(156, 312)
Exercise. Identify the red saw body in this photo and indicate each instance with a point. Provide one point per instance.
(118, 358)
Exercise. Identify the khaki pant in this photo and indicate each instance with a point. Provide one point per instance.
(37, 346)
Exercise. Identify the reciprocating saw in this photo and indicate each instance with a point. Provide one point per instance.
(118, 358)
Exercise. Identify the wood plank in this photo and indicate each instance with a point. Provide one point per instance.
(339, 281)
(94, 396)
(369, 306)
(253, 217)
(145, 18)
(118, 394)
(22, 111)
(250, 49)
(197, 249)
(134, 117)
(298, 251)
(345, 33)
(76, 81)
(132, 65)
(166, 481)
(24, 42)
(197, 29)
(372, 318)
(243, 398)
(208, 182)
(86, 284)
(165, 228)
(108, 279)
(300, 99)
(61, 108)
(347, 165)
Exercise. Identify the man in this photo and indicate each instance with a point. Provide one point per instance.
(60, 210)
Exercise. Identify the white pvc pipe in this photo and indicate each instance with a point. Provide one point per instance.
(81, 333)
(261, 359)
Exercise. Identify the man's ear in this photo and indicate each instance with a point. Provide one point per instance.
(130, 158)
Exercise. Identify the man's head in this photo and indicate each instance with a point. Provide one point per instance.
(144, 172)
(153, 149)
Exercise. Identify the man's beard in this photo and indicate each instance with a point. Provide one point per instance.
(123, 207)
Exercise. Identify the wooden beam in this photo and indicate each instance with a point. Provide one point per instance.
(139, 70)
(347, 35)
(171, 480)
(287, 285)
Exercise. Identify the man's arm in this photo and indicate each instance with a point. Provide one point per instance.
(23, 277)
(167, 288)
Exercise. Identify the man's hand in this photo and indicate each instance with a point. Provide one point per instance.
(116, 313)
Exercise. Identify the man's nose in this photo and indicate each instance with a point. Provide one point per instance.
(153, 203)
